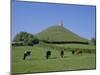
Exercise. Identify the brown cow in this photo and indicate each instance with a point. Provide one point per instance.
(78, 51)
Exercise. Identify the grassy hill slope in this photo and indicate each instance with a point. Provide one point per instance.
(59, 33)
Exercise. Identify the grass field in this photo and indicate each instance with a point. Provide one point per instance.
(38, 62)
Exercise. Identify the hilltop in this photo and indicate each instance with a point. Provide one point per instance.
(59, 34)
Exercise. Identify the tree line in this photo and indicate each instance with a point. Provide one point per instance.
(25, 39)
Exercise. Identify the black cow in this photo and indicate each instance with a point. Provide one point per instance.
(48, 54)
(62, 53)
(26, 54)
(73, 52)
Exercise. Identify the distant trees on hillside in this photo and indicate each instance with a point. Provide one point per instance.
(24, 38)
(93, 40)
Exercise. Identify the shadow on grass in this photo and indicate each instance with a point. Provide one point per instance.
(31, 59)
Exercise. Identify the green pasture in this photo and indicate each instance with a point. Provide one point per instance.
(38, 62)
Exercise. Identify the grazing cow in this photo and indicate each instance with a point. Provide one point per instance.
(73, 52)
(62, 53)
(26, 54)
(78, 51)
(48, 54)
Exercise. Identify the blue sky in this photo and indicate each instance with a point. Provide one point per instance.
(34, 17)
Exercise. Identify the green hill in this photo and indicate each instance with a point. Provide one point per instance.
(59, 34)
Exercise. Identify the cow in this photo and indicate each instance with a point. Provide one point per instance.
(48, 54)
(78, 51)
(26, 54)
(73, 52)
(62, 53)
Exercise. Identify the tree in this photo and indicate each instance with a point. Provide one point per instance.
(25, 38)
(93, 41)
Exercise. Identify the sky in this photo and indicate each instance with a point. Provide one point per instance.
(33, 17)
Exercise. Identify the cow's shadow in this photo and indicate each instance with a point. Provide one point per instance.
(53, 58)
(66, 56)
(58, 57)
(31, 59)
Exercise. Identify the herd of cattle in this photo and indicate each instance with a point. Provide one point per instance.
(48, 53)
